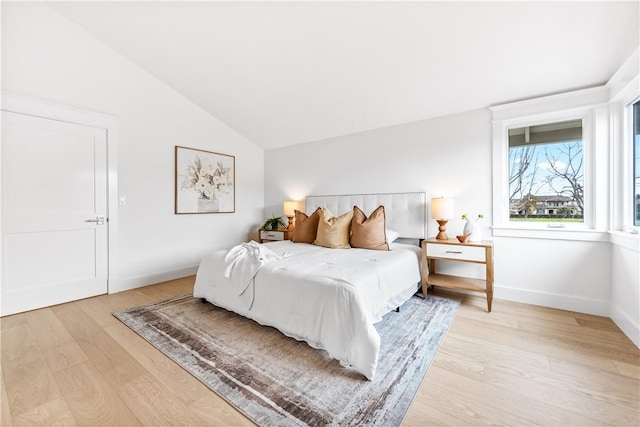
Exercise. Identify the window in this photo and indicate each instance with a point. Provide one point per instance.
(550, 161)
(546, 173)
(636, 164)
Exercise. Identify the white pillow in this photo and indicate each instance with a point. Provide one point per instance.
(391, 235)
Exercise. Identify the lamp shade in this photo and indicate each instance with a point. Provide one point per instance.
(442, 208)
(289, 207)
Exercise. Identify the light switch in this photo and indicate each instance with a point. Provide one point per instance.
(123, 200)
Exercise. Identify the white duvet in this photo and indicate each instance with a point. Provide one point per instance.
(329, 298)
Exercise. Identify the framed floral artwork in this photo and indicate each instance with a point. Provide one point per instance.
(205, 182)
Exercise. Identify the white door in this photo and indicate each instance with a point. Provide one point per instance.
(54, 207)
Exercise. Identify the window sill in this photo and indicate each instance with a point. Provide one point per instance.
(625, 240)
(551, 233)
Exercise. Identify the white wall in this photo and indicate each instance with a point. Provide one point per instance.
(625, 288)
(46, 56)
(624, 89)
(448, 156)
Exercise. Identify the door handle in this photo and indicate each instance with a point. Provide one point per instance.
(99, 220)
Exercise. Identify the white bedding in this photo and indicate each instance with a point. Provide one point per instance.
(329, 298)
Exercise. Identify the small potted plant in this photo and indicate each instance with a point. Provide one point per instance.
(273, 223)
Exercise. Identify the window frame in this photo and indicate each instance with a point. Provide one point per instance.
(628, 178)
(589, 105)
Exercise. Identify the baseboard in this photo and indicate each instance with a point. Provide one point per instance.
(119, 285)
(630, 328)
(562, 302)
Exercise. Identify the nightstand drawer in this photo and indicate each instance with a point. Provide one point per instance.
(467, 253)
(271, 235)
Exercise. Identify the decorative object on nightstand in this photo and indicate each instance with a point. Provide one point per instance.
(462, 238)
(452, 250)
(472, 228)
(442, 209)
(288, 208)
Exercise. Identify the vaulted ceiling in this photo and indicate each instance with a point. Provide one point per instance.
(283, 73)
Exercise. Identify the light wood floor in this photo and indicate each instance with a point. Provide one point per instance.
(75, 364)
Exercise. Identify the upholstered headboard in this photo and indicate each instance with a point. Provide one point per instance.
(405, 213)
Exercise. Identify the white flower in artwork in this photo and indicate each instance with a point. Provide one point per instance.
(209, 181)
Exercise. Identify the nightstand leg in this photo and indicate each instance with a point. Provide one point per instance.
(489, 276)
(424, 271)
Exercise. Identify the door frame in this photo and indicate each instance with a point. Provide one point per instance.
(49, 110)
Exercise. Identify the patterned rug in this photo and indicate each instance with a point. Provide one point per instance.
(276, 380)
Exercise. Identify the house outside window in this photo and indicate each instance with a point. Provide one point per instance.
(546, 172)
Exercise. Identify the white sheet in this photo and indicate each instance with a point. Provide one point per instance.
(329, 298)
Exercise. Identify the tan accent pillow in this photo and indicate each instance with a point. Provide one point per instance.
(306, 226)
(369, 233)
(333, 232)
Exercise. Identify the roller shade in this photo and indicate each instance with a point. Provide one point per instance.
(546, 134)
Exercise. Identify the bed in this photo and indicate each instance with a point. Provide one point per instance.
(330, 298)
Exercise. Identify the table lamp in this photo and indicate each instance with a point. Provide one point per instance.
(288, 208)
(441, 210)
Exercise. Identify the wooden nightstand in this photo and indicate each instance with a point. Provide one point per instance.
(452, 250)
(275, 235)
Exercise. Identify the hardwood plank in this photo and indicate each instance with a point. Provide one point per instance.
(604, 339)
(29, 382)
(15, 342)
(92, 401)
(63, 356)
(460, 364)
(184, 387)
(523, 311)
(98, 311)
(462, 395)
(456, 397)
(421, 413)
(562, 392)
(5, 411)
(489, 353)
(156, 293)
(53, 413)
(469, 356)
(47, 329)
(567, 349)
(601, 385)
(154, 405)
(214, 410)
(126, 299)
(628, 369)
(13, 321)
(497, 318)
(115, 364)
(596, 322)
(170, 289)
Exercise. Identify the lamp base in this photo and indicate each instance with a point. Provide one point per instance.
(290, 226)
(442, 228)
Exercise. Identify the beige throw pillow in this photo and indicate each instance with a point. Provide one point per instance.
(306, 226)
(333, 232)
(369, 233)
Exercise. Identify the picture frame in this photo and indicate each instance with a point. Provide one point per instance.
(204, 181)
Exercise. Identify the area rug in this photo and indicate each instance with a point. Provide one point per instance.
(276, 380)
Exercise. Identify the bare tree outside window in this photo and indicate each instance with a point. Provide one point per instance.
(546, 173)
